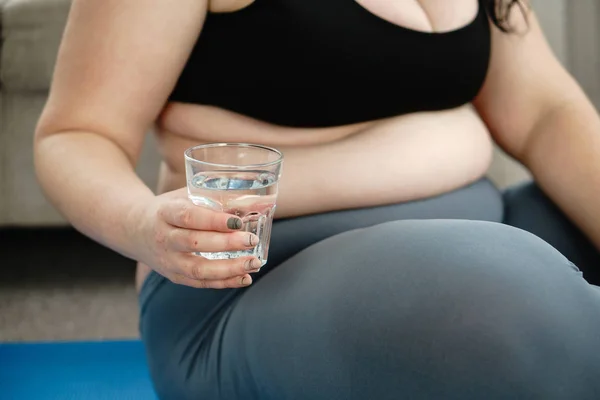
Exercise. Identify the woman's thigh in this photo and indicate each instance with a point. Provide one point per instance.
(173, 316)
(528, 208)
(418, 309)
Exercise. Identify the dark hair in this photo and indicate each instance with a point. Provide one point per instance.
(499, 12)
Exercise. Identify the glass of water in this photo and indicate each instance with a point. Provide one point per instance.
(239, 179)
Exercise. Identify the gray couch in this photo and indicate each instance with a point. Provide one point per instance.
(31, 32)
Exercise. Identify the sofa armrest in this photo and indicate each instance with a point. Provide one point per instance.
(31, 31)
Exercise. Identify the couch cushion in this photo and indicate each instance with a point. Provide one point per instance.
(32, 30)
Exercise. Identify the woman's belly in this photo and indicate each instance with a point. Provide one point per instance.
(404, 158)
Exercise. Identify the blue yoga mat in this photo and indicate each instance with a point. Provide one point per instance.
(110, 370)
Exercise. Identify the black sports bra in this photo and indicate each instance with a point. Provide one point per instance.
(315, 63)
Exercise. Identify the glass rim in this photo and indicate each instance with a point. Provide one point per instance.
(188, 157)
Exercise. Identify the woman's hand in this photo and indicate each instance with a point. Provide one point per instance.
(171, 228)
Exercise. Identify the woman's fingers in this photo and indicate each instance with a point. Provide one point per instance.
(201, 269)
(183, 213)
(189, 229)
(235, 282)
(187, 240)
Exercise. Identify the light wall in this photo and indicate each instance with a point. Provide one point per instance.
(572, 28)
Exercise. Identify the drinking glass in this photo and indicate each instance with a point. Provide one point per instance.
(239, 179)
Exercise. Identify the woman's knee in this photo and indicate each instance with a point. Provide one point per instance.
(467, 263)
(462, 304)
(447, 274)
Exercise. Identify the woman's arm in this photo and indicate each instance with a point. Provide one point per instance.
(379, 166)
(117, 64)
(539, 115)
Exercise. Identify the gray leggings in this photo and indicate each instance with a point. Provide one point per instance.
(435, 299)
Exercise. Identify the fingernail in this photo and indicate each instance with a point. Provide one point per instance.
(252, 240)
(234, 223)
(246, 280)
(253, 264)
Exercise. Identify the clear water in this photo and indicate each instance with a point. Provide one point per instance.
(248, 194)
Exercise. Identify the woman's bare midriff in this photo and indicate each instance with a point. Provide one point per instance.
(453, 141)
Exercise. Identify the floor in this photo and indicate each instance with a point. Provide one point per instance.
(55, 284)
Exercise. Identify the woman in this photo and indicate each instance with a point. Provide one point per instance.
(386, 112)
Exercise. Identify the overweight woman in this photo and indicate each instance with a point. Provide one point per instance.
(396, 269)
